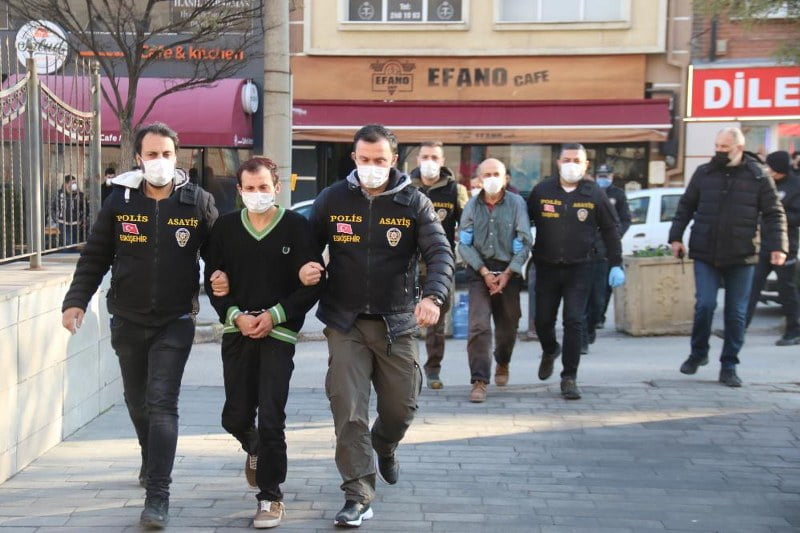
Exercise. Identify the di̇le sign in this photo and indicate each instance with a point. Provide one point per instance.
(745, 92)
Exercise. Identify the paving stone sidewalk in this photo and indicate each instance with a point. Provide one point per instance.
(659, 456)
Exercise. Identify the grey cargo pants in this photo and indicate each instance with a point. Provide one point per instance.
(357, 360)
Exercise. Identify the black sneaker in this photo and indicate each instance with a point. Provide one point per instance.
(592, 335)
(788, 340)
(601, 324)
(143, 475)
(388, 469)
(546, 364)
(156, 512)
(352, 514)
(727, 376)
(690, 365)
(584, 348)
(570, 390)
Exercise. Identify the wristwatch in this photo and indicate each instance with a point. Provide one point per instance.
(437, 300)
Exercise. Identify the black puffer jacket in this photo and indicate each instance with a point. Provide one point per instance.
(152, 250)
(725, 205)
(374, 243)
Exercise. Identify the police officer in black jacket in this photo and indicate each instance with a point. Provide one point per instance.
(448, 197)
(568, 211)
(617, 197)
(725, 198)
(375, 224)
(788, 185)
(149, 232)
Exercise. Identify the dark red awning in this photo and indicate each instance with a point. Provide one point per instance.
(488, 122)
(202, 116)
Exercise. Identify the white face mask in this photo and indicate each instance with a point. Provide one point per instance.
(571, 172)
(159, 172)
(258, 202)
(429, 168)
(493, 184)
(73, 187)
(372, 176)
(475, 192)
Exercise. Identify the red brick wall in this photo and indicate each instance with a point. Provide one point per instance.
(759, 40)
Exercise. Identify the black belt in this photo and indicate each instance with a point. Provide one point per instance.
(369, 316)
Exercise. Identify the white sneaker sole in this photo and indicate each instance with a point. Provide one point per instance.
(355, 523)
(266, 524)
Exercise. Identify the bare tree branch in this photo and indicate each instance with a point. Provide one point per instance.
(126, 37)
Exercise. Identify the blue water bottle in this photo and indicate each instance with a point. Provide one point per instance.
(461, 317)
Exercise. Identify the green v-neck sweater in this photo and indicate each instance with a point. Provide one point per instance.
(262, 268)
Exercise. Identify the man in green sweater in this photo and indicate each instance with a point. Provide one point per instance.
(261, 249)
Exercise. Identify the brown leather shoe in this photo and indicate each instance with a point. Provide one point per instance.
(501, 375)
(478, 394)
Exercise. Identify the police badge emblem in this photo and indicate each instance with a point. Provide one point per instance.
(442, 214)
(182, 236)
(583, 214)
(393, 235)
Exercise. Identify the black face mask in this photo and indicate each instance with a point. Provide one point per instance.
(720, 159)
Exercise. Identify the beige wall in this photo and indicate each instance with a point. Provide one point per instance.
(325, 34)
(51, 383)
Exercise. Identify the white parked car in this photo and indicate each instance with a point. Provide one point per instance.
(651, 216)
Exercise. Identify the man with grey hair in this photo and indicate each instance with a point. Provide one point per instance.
(725, 198)
(495, 239)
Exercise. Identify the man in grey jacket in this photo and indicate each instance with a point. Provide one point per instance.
(495, 242)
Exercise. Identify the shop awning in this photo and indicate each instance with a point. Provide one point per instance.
(491, 122)
(202, 116)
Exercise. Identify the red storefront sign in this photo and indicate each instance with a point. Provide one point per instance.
(745, 92)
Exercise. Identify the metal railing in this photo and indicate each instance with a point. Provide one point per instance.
(49, 139)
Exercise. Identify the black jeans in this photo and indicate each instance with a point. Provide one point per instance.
(152, 360)
(504, 309)
(596, 303)
(257, 374)
(570, 283)
(787, 291)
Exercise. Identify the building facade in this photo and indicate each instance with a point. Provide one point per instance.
(735, 79)
(218, 124)
(511, 79)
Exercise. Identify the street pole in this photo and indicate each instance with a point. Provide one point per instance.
(277, 94)
(33, 135)
(94, 148)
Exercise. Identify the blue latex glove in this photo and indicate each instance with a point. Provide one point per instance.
(516, 245)
(616, 277)
(465, 237)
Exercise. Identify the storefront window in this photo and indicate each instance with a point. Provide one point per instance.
(789, 137)
(757, 139)
(534, 11)
(404, 11)
(628, 162)
(215, 169)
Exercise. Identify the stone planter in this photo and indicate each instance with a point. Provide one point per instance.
(657, 298)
